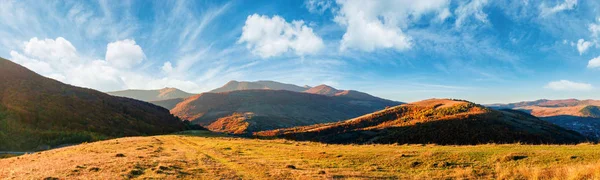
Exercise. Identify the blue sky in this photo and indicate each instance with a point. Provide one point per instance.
(480, 50)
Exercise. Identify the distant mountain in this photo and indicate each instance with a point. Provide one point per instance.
(152, 95)
(547, 103)
(38, 112)
(439, 121)
(272, 85)
(330, 91)
(247, 111)
(321, 89)
(582, 116)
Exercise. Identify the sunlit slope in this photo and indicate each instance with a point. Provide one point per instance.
(248, 111)
(582, 116)
(440, 121)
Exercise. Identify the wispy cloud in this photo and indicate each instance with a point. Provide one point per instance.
(440, 47)
(566, 85)
(566, 5)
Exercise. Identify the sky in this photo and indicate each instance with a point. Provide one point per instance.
(485, 51)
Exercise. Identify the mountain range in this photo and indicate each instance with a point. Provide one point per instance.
(438, 121)
(245, 85)
(152, 95)
(39, 112)
(273, 85)
(582, 116)
(242, 107)
(247, 111)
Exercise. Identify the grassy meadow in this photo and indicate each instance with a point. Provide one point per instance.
(204, 155)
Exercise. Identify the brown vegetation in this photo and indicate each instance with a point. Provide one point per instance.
(189, 157)
(270, 109)
(438, 121)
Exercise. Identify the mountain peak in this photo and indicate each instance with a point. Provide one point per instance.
(323, 90)
(168, 89)
(262, 84)
(324, 86)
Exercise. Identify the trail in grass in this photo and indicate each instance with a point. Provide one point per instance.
(242, 171)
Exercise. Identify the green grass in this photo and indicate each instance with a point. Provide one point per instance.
(205, 155)
(591, 111)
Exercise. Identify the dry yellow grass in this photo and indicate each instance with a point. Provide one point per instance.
(205, 157)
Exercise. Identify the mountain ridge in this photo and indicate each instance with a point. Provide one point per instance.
(152, 95)
(36, 111)
(271, 109)
(578, 115)
(262, 84)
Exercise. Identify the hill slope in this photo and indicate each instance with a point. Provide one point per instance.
(152, 95)
(169, 103)
(582, 116)
(38, 111)
(437, 121)
(547, 103)
(256, 110)
(244, 85)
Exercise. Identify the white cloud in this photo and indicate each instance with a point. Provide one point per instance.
(444, 14)
(58, 51)
(318, 6)
(124, 54)
(167, 67)
(594, 28)
(583, 46)
(372, 25)
(58, 59)
(33, 64)
(567, 5)
(274, 36)
(473, 8)
(594, 63)
(565, 85)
